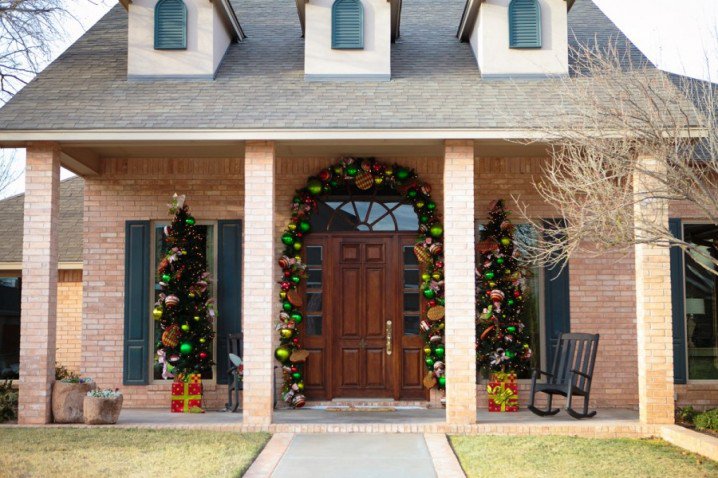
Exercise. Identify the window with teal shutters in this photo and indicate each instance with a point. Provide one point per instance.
(170, 25)
(524, 24)
(680, 367)
(347, 25)
(557, 303)
(229, 289)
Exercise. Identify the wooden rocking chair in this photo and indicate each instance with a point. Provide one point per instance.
(235, 383)
(571, 374)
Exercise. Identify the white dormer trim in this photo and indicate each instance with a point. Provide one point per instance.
(230, 16)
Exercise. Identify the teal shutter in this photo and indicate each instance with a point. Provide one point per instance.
(347, 25)
(137, 319)
(170, 25)
(677, 302)
(557, 304)
(524, 24)
(229, 289)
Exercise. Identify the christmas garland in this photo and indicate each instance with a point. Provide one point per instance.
(364, 174)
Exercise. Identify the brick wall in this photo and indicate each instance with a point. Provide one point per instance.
(69, 319)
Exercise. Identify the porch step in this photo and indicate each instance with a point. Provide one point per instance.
(364, 404)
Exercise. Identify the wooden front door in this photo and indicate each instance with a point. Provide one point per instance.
(363, 316)
(357, 282)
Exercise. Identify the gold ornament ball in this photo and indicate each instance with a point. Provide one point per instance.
(202, 340)
(292, 227)
(286, 333)
(185, 327)
(441, 326)
(282, 295)
(197, 318)
(191, 295)
(427, 350)
(157, 313)
(436, 276)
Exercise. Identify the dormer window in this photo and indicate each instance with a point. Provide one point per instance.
(524, 24)
(348, 25)
(170, 25)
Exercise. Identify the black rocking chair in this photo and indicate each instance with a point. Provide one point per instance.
(235, 382)
(571, 374)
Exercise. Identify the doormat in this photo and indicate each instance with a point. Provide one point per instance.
(360, 409)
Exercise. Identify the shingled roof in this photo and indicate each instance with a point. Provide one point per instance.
(70, 232)
(260, 85)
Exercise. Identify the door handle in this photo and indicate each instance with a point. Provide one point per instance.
(389, 330)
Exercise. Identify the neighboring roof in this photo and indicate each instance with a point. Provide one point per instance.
(69, 234)
(260, 85)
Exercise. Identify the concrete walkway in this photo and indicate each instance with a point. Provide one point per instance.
(356, 455)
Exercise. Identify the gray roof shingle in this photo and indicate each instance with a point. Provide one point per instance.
(435, 81)
(70, 232)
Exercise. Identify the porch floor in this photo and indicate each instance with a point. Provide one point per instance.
(608, 422)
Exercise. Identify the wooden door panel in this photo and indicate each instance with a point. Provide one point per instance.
(375, 253)
(314, 369)
(376, 289)
(411, 373)
(350, 318)
(350, 253)
(376, 368)
(350, 370)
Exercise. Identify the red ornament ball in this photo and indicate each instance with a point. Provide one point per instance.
(285, 285)
(203, 355)
(324, 175)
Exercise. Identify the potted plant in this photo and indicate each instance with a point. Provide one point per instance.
(102, 407)
(68, 395)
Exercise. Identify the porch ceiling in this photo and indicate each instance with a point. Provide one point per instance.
(85, 158)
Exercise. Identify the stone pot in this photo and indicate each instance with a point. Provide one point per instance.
(102, 411)
(67, 401)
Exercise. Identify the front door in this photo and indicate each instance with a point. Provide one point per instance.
(363, 314)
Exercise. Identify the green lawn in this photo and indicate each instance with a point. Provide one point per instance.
(535, 457)
(73, 452)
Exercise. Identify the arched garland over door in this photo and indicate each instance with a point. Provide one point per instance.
(364, 174)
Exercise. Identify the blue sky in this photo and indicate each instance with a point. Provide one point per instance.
(678, 36)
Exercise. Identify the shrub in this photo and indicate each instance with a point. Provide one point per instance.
(707, 420)
(65, 375)
(8, 402)
(686, 414)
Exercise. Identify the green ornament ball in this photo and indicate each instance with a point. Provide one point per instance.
(352, 170)
(282, 354)
(429, 361)
(436, 230)
(511, 329)
(439, 351)
(304, 226)
(166, 277)
(500, 260)
(296, 375)
(441, 301)
(510, 354)
(429, 293)
(185, 327)
(431, 205)
(296, 279)
(314, 186)
(297, 317)
(334, 183)
(423, 219)
(287, 239)
(190, 221)
(402, 173)
(442, 382)
(411, 193)
(505, 241)
(489, 275)
(511, 301)
(287, 306)
(186, 348)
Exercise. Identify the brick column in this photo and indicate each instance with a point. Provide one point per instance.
(39, 283)
(459, 280)
(653, 307)
(258, 282)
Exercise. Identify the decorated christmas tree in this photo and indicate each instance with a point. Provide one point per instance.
(184, 308)
(502, 341)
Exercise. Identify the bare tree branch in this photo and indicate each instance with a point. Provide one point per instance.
(622, 112)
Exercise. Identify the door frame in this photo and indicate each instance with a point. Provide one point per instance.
(327, 343)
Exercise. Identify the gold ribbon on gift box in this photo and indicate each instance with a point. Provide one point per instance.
(501, 395)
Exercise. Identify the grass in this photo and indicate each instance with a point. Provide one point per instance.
(536, 457)
(72, 452)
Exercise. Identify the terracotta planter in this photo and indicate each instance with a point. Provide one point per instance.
(67, 401)
(102, 411)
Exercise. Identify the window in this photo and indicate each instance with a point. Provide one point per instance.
(348, 25)
(524, 24)
(9, 327)
(533, 305)
(170, 25)
(314, 320)
(160, 250)
(700, 302)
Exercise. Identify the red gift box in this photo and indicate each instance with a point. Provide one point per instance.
(187, 397)
(503, 394)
